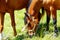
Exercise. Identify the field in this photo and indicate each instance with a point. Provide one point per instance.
(19, 19)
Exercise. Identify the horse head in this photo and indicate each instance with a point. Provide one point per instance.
(31, 23)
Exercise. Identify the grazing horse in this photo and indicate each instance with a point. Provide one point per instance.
(33, 17)
(51, 7)
(9, 6)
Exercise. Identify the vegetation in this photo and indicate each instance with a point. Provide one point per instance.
(19, 19)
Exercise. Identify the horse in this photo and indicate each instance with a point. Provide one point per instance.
(33, 17)
(9, 6)
(51, 6)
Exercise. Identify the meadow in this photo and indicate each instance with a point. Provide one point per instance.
(19, 19)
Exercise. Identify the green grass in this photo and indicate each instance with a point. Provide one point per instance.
(19, 19)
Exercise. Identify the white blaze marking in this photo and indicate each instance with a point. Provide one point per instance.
(24, 27)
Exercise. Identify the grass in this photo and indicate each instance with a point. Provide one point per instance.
(19, 19)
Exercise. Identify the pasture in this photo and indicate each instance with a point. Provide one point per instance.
(19, 19)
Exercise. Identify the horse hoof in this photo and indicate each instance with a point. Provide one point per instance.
(56, 31)
(15, 34)
(55, 34)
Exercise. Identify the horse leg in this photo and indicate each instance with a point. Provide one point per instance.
(48, 19)
(1, 24)
(25, 20)
(54, 15)
(42, 10)
(13, 23)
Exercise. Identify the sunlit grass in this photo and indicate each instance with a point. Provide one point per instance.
(19, 19)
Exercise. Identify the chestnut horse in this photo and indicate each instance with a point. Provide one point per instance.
(33, 17)
(51, 7)
(9, 6)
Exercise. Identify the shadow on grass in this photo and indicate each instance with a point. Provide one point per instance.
(59, 29)
(42, 28)
(20, 37)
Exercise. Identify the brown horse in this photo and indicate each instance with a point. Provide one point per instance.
(9, 6)
(51, 6)
(33, 17)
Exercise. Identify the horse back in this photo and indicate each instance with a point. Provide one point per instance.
(53, 3)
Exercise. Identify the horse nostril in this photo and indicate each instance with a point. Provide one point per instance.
(31, 34)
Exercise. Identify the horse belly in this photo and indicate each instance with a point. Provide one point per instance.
(58, 6)
(17, 4)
